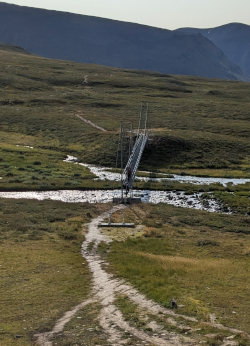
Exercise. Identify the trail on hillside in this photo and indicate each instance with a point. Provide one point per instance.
(90, 123)
(44, 338)
(162, 326)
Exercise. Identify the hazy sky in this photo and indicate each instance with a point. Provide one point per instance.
(170, 14)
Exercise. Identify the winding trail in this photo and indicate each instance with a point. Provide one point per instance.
(106, 289)
(44, 338)
(90, 123)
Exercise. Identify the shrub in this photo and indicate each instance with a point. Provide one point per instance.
(207, 242)
(68, 235)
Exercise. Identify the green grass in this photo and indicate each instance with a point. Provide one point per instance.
(237, 201)
(42, 272)
(197, 124)
(36, 168)
(23, 168)
(201, 259)
(198, 127)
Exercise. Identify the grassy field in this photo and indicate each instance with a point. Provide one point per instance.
(34, 169)
(42, 272)
(200, 259)
(198, 125)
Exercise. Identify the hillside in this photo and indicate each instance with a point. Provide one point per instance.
(233, 39)
(196, 123)
(89, 39)
(63, 278)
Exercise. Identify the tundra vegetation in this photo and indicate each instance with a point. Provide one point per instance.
(201, 259)
(198, 127)
(42, 272)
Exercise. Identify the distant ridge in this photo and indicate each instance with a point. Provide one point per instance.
(89, 39)
(13, 48)
(233, 39)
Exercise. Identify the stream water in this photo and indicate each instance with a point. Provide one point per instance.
(176, 198)
(103, 173)
(179, 199)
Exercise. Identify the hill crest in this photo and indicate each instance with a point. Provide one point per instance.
(80, 38)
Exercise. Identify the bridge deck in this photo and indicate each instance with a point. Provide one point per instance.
(129, 173)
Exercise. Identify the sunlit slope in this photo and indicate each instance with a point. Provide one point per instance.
(196, 123)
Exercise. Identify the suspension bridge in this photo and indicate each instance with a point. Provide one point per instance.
(135, 152)
(128, 173)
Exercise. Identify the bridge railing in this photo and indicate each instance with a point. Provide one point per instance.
(129, 173)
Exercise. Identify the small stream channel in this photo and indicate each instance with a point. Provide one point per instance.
(176, 198)
(179, 199)
(104, 173)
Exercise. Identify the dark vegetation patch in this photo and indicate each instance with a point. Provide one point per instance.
(64, 82)
(214, 93)
(199, 153)
(47, 101)
(149, 73)
(178, 82)
(162, 95)
(30, 77)
(96, 83)
(178, 90)
(11, 102)
(15, 49)
(105, 105)
(207, 243)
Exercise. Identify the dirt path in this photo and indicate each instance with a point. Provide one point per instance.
(90, 123)
(164, 326)
(44, 338)
(106, 289)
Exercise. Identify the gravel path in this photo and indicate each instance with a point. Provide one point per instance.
(90, 123)
(182, 329)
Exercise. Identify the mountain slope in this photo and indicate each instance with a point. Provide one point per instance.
(195, 123)
(233, 39)
(101, 41)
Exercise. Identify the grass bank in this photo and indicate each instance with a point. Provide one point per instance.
(200, 259)
(42, 272)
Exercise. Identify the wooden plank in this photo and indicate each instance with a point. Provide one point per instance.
(127, 200)
(113, 224)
